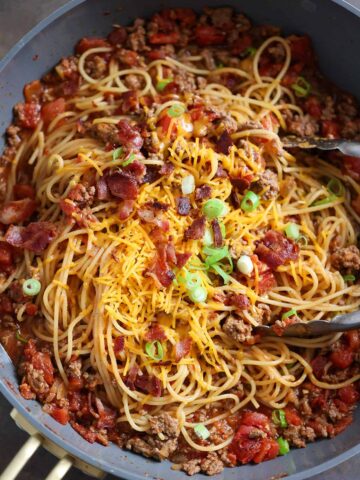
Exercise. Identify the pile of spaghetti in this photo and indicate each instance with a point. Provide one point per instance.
(153, 220)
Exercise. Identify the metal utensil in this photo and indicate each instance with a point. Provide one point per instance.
(347, 147)
(340, 323)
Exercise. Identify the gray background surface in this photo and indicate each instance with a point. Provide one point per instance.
(16, 18)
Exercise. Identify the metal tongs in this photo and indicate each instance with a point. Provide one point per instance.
(340, 323)
(347, 147)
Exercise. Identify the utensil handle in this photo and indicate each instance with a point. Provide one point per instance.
(350, 148)
(343, 323)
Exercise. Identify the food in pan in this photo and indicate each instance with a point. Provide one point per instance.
(151, 219)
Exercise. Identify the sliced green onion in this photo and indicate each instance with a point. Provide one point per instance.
(249, 51)
(20, 337)
(284, 447)
(288, 314)
(301, 87)
(129, 160)
(190, 280)
(198, 294)
(176, 110)
(336, 187)
(279, 418)
(250, 202)
(292, 231)
(302, 240)
(161, 84)
(117, 152)
(349, 278)
(154, 350)
(324, 201)
(215, 255)
(188, 184)
(201, 431)
(220, 271)
(31, 287)
(215, 208)
(223, 230)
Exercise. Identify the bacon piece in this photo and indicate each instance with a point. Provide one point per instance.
(196, 229)
(149, 384)
(182, 258)
(275, 249)
(119, 344)
(150, 215)
(34, 237)
(183, 206)
(123, 185)
(221, 172)
(107, 416)
(125, 209)
(267, 281)
(131, 377)
(237, 300)
(23, 190)
(102, 190)
(218, 239)
(182, 348)
(31, 309)
(137, 169)
(130, 102)
(241, 183)
(224, 143)
(156, 332)
(158, 205)
(167, 169)
(6, 257)
(17, 211)
(160, 271)
(203, 192)
(129, 136)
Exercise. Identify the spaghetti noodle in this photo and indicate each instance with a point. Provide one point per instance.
(123, 153)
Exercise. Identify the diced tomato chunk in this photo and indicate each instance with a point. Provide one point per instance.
(42, 361)
(52, 109)
(241, 44)
(351, 166)
(318, 365)
(292, 416)
(348, 394)
(164, 38)
(31, 309)
(90, 42)
(61, 415)
(269, 449)
(342, 358)
(29, 115)
(6, 257)
(33, 91)
(23, 190)
(330, 128)
(313, 107)
(255, 419)
(353, 339)
(208, 35)
(301, 50)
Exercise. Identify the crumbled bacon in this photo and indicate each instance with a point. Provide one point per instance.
(203, 192)
(196, 229)
(183, 206)
(158, 205)
(152, 215)
(156, 332)
(34, 237)
(129, 136)
(106, 415)
(136, 379)
(125, 209)
(182, 348)
(130, 102)
(275, 249)
(241, 183)
(119, 344)
(137, 169)
(167, 169)
(6, 257)
(182, 258)
(102, 190)
(123, 185)
(221, 172)
(237, 300)
(224, 143)
(218, 239)
(17, 211)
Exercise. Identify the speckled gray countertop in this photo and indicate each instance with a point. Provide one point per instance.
(16, 18)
